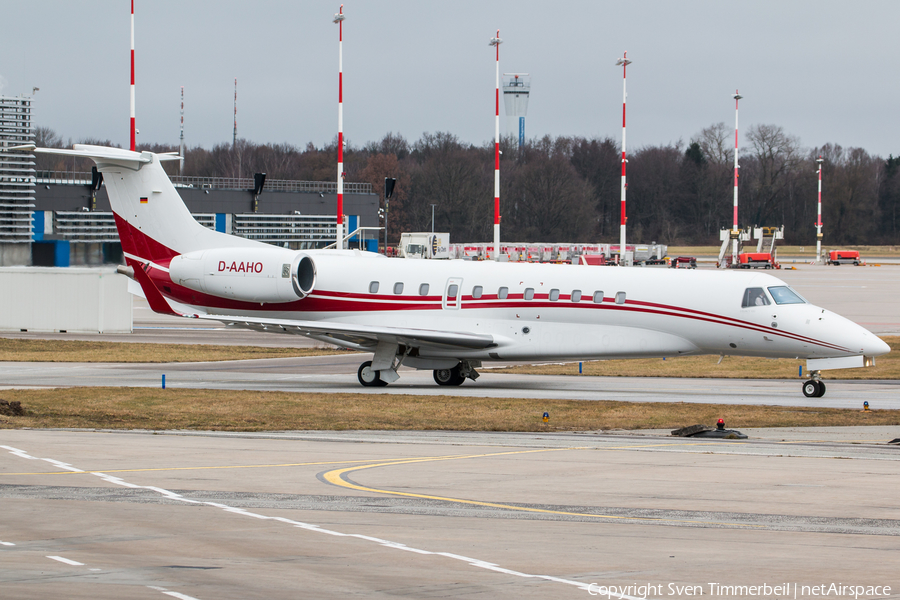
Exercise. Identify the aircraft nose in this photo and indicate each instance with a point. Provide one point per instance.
(875, 347)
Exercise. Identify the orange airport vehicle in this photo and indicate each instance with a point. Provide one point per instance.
(592, 259)
(757, 260)
(845, 257)
(683, 262)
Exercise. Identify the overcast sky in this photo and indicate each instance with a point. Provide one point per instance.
(826, 70)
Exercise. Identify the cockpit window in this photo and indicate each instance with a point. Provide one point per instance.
(782, 294)
(754, 297)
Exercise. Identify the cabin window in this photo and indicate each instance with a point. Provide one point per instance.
(529, 293)
(423, 289)
(452, 291)
(554, 295)
(620, 297)
(754, 297)
(398, 287)
(598, 297)
(373, 287)
(782, 294)
(477, 291)
(576, 295)
(503, 293)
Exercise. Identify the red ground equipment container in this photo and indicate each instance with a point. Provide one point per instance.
(756, 260)
(845, 257)
(592, 259)
(683, 262)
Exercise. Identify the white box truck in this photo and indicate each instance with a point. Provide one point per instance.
(425, 245)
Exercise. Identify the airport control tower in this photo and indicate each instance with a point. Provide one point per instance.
(516, 88)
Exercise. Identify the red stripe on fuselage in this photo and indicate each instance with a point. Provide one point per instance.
(139, 244)
(346, 302)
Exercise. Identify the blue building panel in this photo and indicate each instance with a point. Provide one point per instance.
(37, 229)
(61, 253)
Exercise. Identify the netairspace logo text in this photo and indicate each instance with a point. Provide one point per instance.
(721, 590)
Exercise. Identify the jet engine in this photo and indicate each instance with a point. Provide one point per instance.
(248, 274)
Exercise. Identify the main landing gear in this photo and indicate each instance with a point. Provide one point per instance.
(369, 378)
(449, 376)
(814, 387)
(458, 374)
(454, 376)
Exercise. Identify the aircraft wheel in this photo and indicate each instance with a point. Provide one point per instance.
(448, 376)
(367, 377)
(821, 391)
(811, 388)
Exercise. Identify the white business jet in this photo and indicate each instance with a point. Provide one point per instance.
(451, 316)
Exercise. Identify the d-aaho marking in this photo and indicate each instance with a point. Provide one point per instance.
(241, 267)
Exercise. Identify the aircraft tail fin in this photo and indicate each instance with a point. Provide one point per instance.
(153, 222)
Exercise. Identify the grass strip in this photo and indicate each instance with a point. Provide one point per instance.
(737, 367)
(156, 409)
(29, 350)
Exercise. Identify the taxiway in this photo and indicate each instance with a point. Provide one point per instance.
(446, 514)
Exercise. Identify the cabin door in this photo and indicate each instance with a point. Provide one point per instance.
(452, 299)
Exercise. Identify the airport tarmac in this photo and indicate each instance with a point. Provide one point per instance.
(202, 515)
(90, 514)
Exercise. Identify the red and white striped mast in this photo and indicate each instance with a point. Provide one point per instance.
(181, 139)
(495, 42)
(132, 142)
(819, 160)
(735, 259)
(339, 19)
(623, 62)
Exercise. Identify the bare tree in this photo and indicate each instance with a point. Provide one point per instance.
(717, 144)
(549, 200)
(454, 177)
(765, 174)
(598, 162)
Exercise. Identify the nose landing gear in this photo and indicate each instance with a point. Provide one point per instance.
(814, 387)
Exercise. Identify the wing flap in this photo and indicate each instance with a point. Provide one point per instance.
(363, 335)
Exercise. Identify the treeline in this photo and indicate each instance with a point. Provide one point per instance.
(568, 188)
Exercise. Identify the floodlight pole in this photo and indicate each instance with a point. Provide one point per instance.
(131, 145)
(181, 142)
(734, 230)
(339, 19)
(819, 160)
(623, 62)
(496, 41)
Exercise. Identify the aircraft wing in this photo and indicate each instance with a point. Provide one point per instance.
(361, 336)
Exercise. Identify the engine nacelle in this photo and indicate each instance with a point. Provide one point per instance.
(249, 274)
